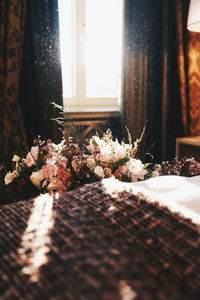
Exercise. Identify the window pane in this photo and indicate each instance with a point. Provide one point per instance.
(103, 48)
(66, 41)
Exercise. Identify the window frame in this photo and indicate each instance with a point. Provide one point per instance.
(79, 101)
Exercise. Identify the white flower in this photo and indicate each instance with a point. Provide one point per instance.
(99, 171)
(128, 147)
(134, 169)
(10, 176)
(94, 144)
(36, 178)
(16, 158)
(106, 152)
(155, 173)
(91, 163)
(113, 151)
(119, 151)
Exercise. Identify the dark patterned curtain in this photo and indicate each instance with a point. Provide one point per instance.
(181, 35)
(194, 83)
(154, 35)
(189, 70)
(175, 96)
(12, 136)
(41, 74)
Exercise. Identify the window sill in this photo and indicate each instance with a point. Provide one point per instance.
(92, 113)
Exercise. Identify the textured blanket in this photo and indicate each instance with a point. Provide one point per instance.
(92, 244)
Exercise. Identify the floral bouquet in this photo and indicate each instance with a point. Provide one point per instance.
(178, 166)
(52, 167)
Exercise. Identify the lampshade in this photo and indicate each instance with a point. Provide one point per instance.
(193, 22)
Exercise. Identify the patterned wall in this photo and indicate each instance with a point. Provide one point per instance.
(12, 134)
(194, 82)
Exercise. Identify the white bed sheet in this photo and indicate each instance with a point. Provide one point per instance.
(179, 194)
(175, 191)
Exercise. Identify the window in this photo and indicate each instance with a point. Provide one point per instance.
(90, 35)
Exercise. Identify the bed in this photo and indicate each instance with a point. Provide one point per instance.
(105, 240)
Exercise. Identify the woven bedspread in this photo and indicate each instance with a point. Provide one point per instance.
(87, 244)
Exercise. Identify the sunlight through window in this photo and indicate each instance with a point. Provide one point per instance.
(102, 48)
(66, 37)
(90, 36)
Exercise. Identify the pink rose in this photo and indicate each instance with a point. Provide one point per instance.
(32, 157)
(63, 174)
(63, 161)
(10, 176)
(56, 184)
(49, 170)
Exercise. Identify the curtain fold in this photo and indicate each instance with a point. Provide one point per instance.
(141, 64)
(155, 83)
(41, 82)
(12, 134)
(181, 35)
(177, 88)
